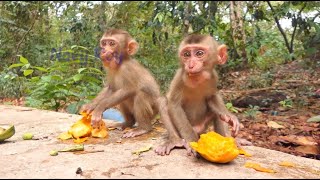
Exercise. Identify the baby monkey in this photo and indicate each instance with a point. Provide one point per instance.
(193, 97)
(129, 85)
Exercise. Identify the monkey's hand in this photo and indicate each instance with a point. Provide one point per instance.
(232, 121)
(88, 108)
(96, 118)
(171, 144)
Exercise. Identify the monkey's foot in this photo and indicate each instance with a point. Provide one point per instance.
(168, 146)
(135, 132)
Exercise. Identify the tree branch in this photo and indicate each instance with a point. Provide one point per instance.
(295, 27)
(279, 27)
(24, 36)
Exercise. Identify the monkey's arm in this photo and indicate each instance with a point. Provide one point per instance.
(165, 118)
(105, 92)
(114, 99)
(217, 106)
(181, 122)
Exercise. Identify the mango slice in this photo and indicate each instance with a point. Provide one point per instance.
(216, 148)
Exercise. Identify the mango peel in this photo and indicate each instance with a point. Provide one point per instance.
(6, 132)
(216, 148)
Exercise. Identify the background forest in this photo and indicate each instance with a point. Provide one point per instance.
(49, 53)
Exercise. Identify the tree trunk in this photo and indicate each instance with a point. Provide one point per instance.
(237, 30)
(186, 23)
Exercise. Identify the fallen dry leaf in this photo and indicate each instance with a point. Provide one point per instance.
(314, 119)
(287, 164)
(299, 140)
(308, 149)
(258, 167)
(144, 149)
(274, 125)
(111, 128)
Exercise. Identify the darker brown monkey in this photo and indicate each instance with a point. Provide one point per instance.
(193, 98)
(129, 85)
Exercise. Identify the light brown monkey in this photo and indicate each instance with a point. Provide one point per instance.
(129, 84)
(193, 98)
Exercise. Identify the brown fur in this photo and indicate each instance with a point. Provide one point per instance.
(131, 86)
(194, 100)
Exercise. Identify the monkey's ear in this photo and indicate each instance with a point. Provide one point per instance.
(222, 54)
(133, 47)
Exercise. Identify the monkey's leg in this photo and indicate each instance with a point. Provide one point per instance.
(173, 140)
(128, 117)
(143, 113)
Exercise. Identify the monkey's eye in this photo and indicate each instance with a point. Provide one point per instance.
(112, 43)
(199, 53)
(103, 43)
(186, 54)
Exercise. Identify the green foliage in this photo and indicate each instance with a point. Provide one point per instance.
(252, 112)
(231, 108)
(260, 81)
(287, 103)
(35, 29)
(63, 84)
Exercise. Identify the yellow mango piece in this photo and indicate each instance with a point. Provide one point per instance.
(258, 167)
(287, 164)
(243, 152)
(65, 136)
(80, 140)
(216, 148)
(81, 128)
(101, 131)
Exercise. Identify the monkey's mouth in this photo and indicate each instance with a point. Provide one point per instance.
(194, 73)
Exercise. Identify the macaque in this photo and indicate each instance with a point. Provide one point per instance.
(129, 85)
(193, 98)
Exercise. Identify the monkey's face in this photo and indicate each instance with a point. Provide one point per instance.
(194, 58)
(110, 54)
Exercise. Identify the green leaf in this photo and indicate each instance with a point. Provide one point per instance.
(314, 119)
(56, 77)
(41, 69)
(15, 65)
(81, 69)
(27, 72)
(77, 77)
(24, 60)
(72, 108)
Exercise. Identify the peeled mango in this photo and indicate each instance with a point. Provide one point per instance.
(82, 130)
(6, 131)
(216, 148)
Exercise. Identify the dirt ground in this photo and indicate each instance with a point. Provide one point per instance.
(294, 82)
(272, 129)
